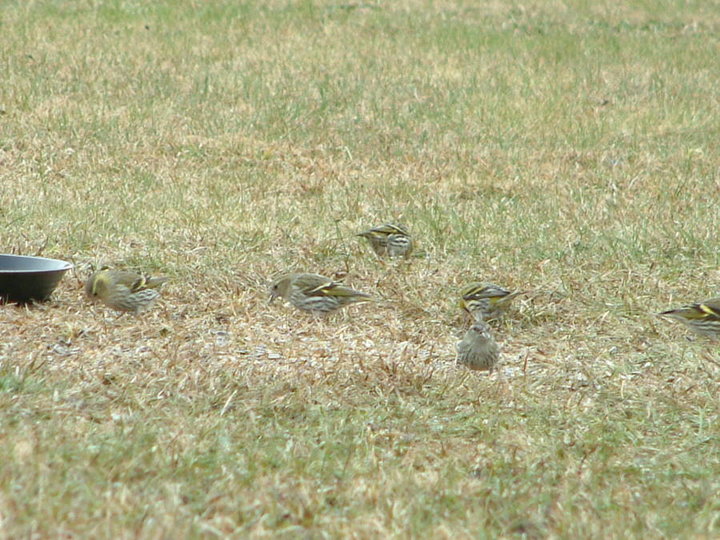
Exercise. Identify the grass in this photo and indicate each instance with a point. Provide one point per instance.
(567, 149)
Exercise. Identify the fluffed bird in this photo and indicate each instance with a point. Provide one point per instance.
(486, 301)
(389, 240)
(123, 291)
(314, 293)
(701, 317)
(478, 349)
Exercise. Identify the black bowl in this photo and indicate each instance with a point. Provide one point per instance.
(29, 278)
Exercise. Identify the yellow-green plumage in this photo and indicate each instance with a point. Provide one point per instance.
(314, 293)
(486, 301)
(701, 317)
(123, 291)
(389, 240)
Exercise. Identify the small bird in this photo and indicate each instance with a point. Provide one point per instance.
(123, 291)
(702, 317)
(389, 240)
(486, 301)
(315, 293)
(478, 350)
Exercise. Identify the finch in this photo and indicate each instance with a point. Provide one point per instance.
(389, 240)
(701, 317)
(478, 350)
(123, 291)
(314, 293)
(486, 301)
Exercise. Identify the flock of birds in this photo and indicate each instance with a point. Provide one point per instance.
(132, 292)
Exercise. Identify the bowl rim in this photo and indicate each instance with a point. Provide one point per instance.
(62, 265)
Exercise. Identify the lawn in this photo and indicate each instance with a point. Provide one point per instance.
(567, 149)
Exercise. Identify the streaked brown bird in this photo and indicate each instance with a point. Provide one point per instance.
(486, 301)
(389, 240)
(123, 291)
(478, 349)
(315, 293)
(701, 317)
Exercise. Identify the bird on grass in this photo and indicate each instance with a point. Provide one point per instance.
(123, 291)
(314, 293)
(389, 240)
(478, 349)
(486, 301)
(701, 317)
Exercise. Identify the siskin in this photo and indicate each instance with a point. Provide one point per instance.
(389, 240)
(123, 291)
(486, 301)
(702, 317)
(478, 350)
(314, 293)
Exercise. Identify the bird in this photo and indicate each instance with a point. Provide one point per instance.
(478, 349)
(122, 290)
(701, 317)
(486, 301)
(314, 293)
(389, 240)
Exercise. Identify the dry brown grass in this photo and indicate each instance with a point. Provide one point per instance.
(561, 149)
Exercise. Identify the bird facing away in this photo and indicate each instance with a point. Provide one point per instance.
(389, 240)
(702, 317)
(478, 350)
(123, 291)
(314, 293)
(486, 301)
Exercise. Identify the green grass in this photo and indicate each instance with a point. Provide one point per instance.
(566, 149)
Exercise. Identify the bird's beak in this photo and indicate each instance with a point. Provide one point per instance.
(273, 296)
